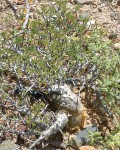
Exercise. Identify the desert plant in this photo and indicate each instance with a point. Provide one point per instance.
(52, 49)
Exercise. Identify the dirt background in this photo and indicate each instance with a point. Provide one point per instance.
(105, 13)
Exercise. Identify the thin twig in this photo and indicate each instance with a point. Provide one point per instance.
(25, 23)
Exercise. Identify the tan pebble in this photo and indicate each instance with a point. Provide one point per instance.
(86, 148)
(117, 46)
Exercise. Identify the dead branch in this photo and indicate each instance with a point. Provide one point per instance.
(63, 99)
(58, 125)
(27, 14)
(24, 26)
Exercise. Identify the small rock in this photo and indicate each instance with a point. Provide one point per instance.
(94, 6)
(20, 2)
(115, 15)
(105, 22)
(81, 137)
(94, 10)
(103, 4)
(87, 2)
(84, 15)
(53, 3)
(91, 25)
(99, 9)
(87, 148)
(112, 14)
(117, 46)
(34, 16)
(91, 22)
(112, 36)
(32, 9)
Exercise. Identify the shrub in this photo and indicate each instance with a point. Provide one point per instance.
(50, 50)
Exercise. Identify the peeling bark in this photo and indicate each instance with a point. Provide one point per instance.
(64, 99)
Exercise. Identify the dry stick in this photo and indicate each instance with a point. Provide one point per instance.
(26, 18)
(27, 14)
(68, 101)
(59, 124)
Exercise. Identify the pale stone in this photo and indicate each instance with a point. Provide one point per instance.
(81, 137)
(87, 2)
(117, 46)
(87, 148)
